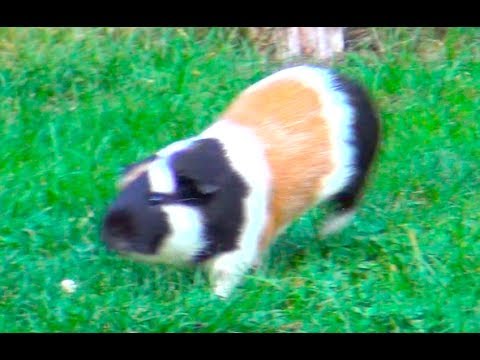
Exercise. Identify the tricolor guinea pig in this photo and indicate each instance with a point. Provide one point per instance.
(299, 137)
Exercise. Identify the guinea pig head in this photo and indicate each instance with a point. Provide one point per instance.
(158, 215)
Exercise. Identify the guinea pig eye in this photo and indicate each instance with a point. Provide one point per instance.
(156, 199)
(187, 189)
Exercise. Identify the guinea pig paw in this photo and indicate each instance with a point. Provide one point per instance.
(226, 272)
(257, 263)
(224, 283)
(335, 224)
(222, 291)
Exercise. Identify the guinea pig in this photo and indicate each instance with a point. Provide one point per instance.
(301, 136)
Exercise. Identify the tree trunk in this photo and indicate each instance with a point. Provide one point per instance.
(286, 43)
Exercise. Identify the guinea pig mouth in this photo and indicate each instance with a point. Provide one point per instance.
(119, 235)
(117, 245)
(143, 247)
(126, 247)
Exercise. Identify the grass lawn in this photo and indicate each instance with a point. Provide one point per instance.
(78, 104)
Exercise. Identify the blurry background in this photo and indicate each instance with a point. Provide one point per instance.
(77, 104)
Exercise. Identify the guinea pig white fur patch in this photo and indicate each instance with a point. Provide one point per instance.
(186, 239)
(160, 175)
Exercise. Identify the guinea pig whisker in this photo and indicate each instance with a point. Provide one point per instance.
(187, 199)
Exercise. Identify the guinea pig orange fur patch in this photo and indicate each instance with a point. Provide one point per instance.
(286, 115)
(133, 174)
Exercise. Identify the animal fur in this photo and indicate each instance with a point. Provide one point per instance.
(299, 137)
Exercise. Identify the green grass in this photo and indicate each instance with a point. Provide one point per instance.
(78, 104)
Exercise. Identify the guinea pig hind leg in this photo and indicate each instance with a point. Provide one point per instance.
(343, 213)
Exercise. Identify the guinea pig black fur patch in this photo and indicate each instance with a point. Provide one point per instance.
(365, 141)
(205, 166)
(131, 225)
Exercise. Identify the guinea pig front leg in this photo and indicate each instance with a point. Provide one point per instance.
(227, 270)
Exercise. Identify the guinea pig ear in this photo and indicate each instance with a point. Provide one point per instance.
(203, 163)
